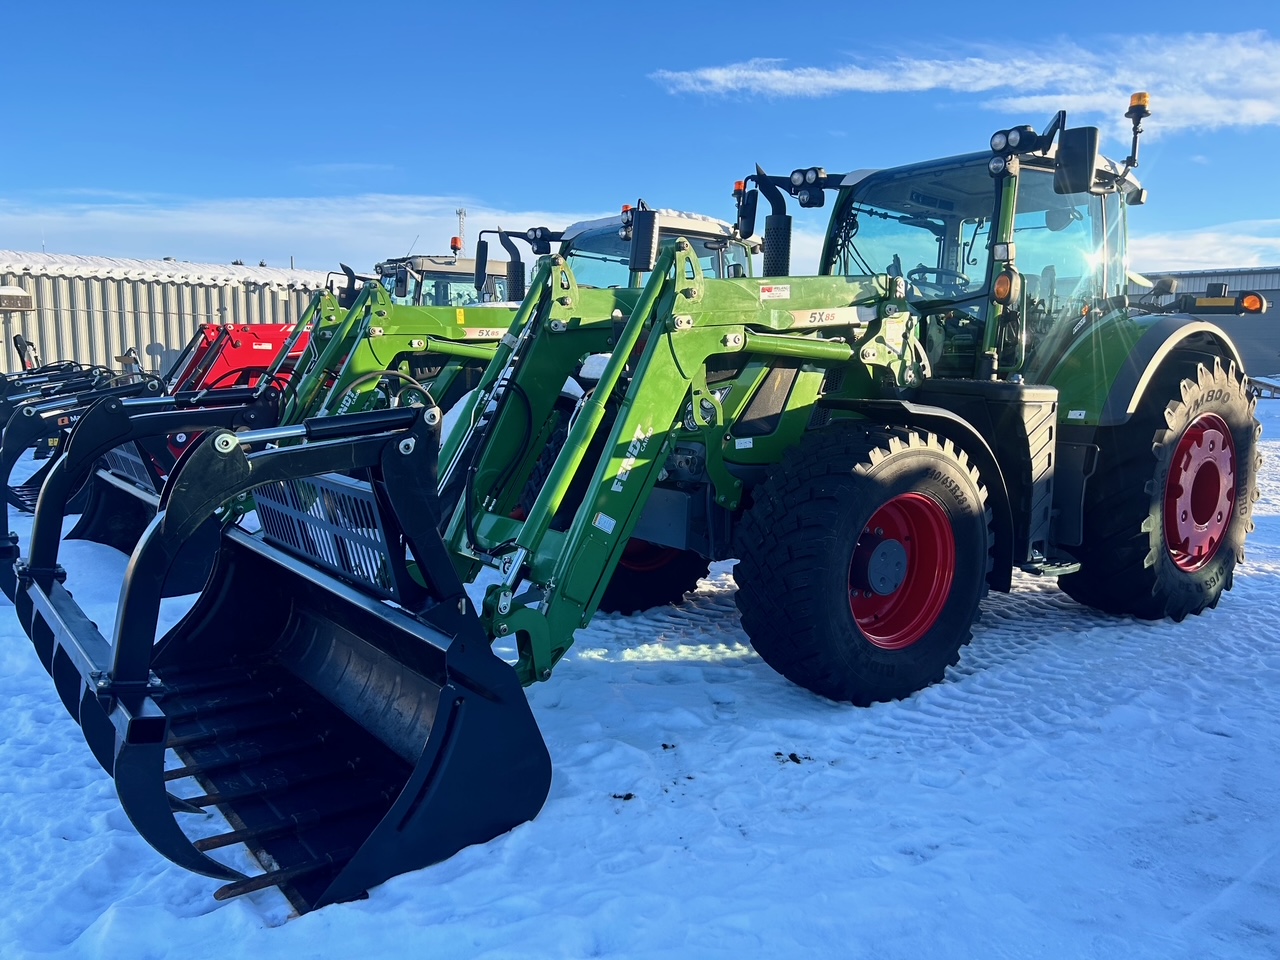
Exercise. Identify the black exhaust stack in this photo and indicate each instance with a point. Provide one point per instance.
(777, 229)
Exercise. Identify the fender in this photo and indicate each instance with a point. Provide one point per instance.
(1161, 339)
(960, 432)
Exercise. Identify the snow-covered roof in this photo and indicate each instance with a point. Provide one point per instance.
(175, 271)
(668, 220)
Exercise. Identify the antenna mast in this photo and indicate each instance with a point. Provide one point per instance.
(462, 229)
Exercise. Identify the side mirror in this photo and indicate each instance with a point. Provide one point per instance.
(747, 213)
(402, 282)
(482, 264)
(1077, 160)
(644, 240)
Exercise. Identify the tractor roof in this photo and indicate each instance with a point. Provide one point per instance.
(674, 221)
(447, 264)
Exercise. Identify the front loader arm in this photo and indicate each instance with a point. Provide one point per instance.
(655, 388)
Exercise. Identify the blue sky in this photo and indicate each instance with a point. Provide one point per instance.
(326, 132)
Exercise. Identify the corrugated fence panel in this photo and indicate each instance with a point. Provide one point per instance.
(95, 315)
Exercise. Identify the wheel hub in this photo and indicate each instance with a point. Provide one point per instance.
(879, 565)
(1200, 492)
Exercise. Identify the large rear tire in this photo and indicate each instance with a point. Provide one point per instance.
(1171, 501)
(862, 561)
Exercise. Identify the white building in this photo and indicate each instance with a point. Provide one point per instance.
(92, 309)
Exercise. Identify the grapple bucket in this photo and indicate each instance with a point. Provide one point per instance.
(117, 459)
(332, 692)
(37, 420)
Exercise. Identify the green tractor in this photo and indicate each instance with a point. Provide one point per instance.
(964, 392)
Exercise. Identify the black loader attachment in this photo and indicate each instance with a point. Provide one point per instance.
(117, 461)
(332, 693)
(41, 418)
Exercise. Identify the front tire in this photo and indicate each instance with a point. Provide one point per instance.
(862, 561)
(1170, 504)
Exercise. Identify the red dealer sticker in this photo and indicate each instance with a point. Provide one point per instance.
(777, 292)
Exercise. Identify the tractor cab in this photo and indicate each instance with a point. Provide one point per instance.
(440, 281)
(1005, 255)
(599, 251)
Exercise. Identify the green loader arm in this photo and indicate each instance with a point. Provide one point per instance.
(378, 338)
(655, 388)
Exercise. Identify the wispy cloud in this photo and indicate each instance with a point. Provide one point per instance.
(1249, 243)
(1200, 81)
(316, 232)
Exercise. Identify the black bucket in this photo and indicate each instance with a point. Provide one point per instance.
(345, 715)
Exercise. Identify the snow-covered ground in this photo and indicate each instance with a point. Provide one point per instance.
(1080, 786)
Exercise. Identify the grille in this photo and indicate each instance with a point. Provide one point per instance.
(333, 522)
(125, 461)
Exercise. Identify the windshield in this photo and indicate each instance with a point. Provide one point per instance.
(600, 258)
(1069, 250)
(930, 224)
(441, 289)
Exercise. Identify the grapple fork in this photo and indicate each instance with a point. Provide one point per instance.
(341, 708)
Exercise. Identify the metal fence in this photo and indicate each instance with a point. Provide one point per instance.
(92, 309)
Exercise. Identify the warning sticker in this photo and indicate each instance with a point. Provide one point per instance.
(263, 346)
(744, 443)
(1075, 414)
(604, 522)
(780, 291)
(461, 315)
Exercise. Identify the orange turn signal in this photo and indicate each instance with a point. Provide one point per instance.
(1252, 303)
(1007, 287)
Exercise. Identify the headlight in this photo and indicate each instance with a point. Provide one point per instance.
(996, 166)
(1000, 141)
(531, 234)
(1013, 138)
(797, 178)
(811, 175)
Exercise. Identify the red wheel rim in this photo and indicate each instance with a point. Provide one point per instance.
(1200, 493)
(901, 572)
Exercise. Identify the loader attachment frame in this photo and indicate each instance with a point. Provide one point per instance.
(344, 738)
(41, 420)
(127, 428)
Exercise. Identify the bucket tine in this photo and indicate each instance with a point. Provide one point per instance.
(332, 692)
(146, 803)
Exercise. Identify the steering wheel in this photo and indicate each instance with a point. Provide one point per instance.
(942, 276)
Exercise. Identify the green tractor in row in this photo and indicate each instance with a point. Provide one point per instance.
(965, 391)
(422, 330)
